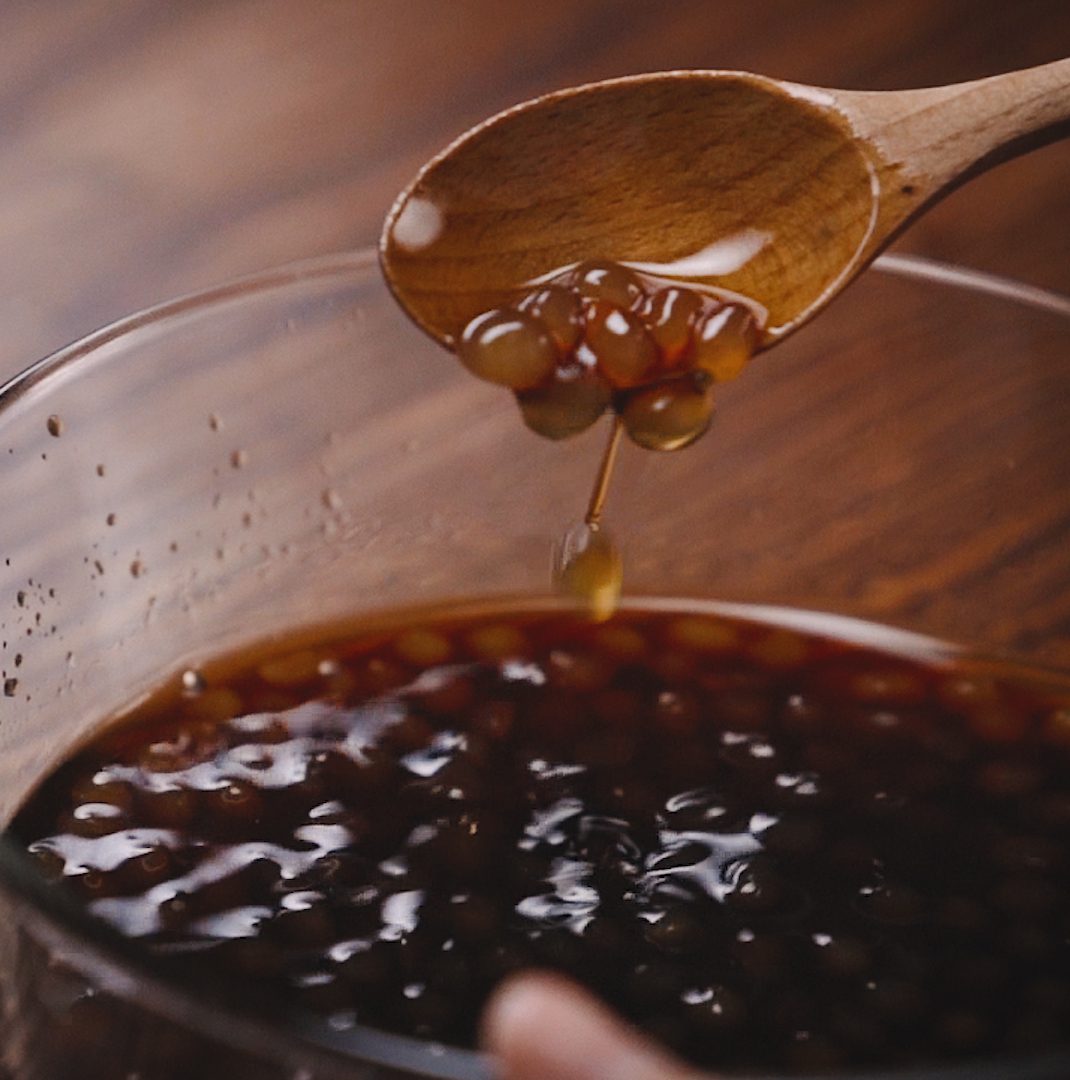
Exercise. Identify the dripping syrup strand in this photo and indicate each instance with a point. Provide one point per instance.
(600, 491)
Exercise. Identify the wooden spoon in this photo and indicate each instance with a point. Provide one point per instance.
(780, 192)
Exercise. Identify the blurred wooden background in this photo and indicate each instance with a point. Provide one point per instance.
(150, 147)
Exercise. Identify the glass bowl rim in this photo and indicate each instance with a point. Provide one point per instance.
(117, 966)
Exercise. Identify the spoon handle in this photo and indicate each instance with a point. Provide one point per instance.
(937, 136)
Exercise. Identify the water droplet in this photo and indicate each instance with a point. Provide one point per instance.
(238, 458)
(331, 499)
(55, 426)
(214, 422)
(110, 519)
(193, 681)
(10, 687)
(100, 470)
(137, 568)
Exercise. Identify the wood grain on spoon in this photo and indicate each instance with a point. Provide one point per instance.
(773, 190)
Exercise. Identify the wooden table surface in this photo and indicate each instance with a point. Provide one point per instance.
(150, 147)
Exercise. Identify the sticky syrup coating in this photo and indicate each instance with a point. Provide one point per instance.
(600, 335)
(669, 415)
(508, 347)
(772, 851)
(589, 568)
(567, 405)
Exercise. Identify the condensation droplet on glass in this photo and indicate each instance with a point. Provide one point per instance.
(10, 687)
(193, 682)
(100, 470)
(55, 426)
(214, 422)
(137, 568)
(110, 519)
(331, 499)
(238, 458)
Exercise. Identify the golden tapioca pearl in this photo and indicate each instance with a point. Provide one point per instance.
(101, 788)
(560, 310)
(621, 641)
(216, 705)
(497, 641)
(567, 405)
(670, 316)
(597, 279)
(669, 415)
(423, 647)
(508, 347)
(588, 567)
(779, 649)
(290, 670)
(724, 341)
(623, 349)
(700, 634)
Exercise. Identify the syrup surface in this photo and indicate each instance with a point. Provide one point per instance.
(769, 848)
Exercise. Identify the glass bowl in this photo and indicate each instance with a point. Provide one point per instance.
(287, 451)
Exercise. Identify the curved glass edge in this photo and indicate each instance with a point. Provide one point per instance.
(911, 266)
(110, 959)
(323, 266)
(923, 269)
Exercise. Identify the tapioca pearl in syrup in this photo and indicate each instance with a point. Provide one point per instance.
(541, 789)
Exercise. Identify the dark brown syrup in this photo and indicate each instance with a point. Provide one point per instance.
(769, 847)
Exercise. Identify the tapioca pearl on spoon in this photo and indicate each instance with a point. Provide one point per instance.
(509, 347)
(669, 415)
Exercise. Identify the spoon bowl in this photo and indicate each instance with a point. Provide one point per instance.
(728, 181)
